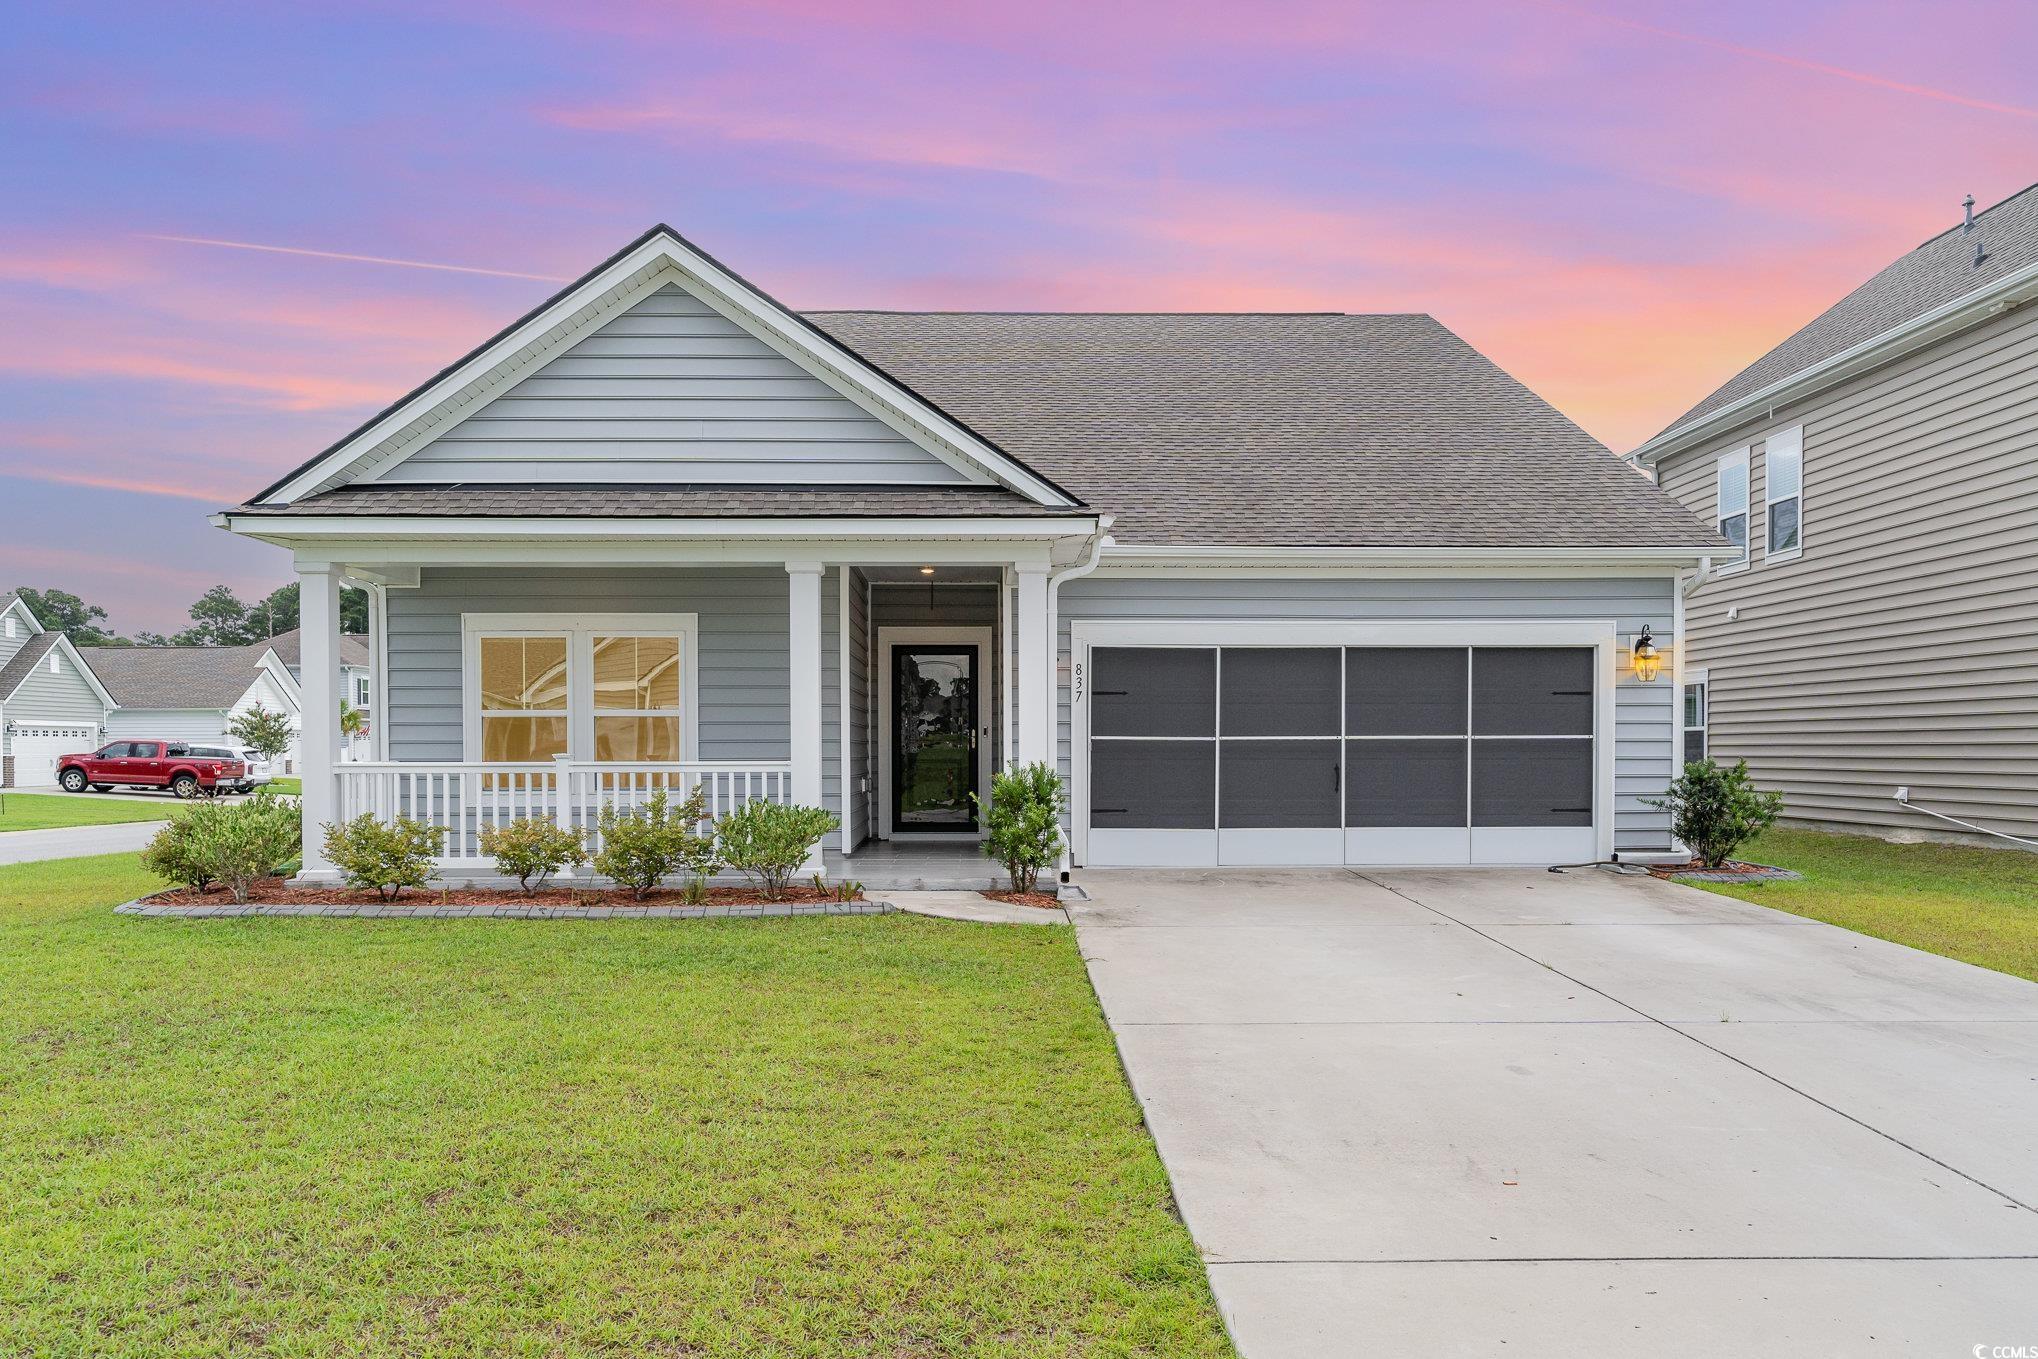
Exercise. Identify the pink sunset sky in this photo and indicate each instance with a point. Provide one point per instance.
(233, 231)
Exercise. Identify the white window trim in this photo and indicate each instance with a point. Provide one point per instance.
(579, 630)
(978, 638)
(1699, 678)
(1736, 456)
(1794, 436)
(56, 662)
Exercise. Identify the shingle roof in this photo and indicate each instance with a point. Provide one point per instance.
(353, 648)
(23, 662)
(174, 676)
(665, 502)
(1929, 276)
(1274, 429)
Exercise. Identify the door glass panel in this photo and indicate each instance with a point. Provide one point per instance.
(934, 738)
(1405, 783)
(1532, 691)
(1277, 784)
(1405, 691)
(1153, 785)
(1531, 783)
(1153, 691)
(1280, 691)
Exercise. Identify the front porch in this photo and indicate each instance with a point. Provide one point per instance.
(887, 692)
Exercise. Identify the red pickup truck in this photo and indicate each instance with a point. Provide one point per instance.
(184, 769)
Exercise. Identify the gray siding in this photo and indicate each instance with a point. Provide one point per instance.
(862, 711)
(170, 724)
(63, 697)
(743, 691)
(671, 391)
(1644, 714)
(1902, 646)
(10, 645)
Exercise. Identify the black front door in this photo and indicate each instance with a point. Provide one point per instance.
(934, 739)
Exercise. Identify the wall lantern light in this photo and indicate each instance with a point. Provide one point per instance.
(1648, 661)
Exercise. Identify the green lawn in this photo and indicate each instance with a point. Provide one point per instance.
(287, 787)
(879, 1136)
(1978, 905)
(43, 811)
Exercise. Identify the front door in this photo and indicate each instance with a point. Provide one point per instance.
(934, 739)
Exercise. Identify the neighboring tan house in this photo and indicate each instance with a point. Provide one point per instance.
(1268, 588)
(50, 702)
(1880, 629)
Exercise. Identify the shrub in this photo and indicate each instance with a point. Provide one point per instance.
(385, 857)
(769, 841)
(267, 734)
(1713, 810)
(641, 846)
(1022, 827)
(233, 844)
(531, 850)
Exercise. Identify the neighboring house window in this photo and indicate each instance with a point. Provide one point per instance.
(1733, 504)
(56, 664)
(1694, 720)
(606, 689)
(360, 691)
(1783, 480)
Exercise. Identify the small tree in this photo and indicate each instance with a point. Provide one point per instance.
(352, 720)
(385, 857)
(769, 841)
(267, 734)
(642, 846)
(531, 850)
(1023, 823)
(1715, 810)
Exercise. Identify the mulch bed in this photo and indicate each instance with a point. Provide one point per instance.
(1733, 870)
(1047, 901)
(276, 892)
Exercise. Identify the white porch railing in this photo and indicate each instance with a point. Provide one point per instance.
(465, 796)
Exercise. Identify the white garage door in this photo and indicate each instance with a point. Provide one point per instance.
(36, 749)
(1331, 755)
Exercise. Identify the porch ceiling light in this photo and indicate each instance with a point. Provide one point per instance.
(1648, 661)
(926, 570)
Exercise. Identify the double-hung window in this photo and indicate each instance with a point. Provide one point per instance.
(614, 687)
(1732, 516)
(1694, 717)
(1783, 493)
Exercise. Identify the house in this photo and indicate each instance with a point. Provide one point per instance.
(51, 704)
(1270, 589)
(357, 685)
(1878, 473)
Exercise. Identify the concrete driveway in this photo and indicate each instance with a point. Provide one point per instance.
(1497, 1112)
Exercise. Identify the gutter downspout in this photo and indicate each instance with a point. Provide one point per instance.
(1098, 542)
(1700, 577)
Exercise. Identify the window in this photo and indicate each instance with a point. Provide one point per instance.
(615, 687)
(1783, 479)
(1733, 504)
(1694, 720)
(360, 691)
(8, 623)
(523, 697)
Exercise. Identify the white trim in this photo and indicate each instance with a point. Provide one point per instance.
(1983, 304)
(850, 533)
(888, 637)
(663, 257)
(842, 741)
(1791, 437)
(18, 607)
(1602, 635)
(1735, 457)
(1121, 554)
(579, 630)
(79, 664)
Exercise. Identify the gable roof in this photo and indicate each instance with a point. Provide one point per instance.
(1276, 429)
(13, 603)
(288, 647)
(658, 257)
(202, 677)
(716, 501)
(23, 663)
(1940, 271)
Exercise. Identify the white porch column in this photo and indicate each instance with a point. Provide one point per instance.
(318, 612)
(804, 673)
(1035, 684)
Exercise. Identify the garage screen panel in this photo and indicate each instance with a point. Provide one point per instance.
(1280, 716)
(1153, 755)
(1532, 754)
(1406, 710)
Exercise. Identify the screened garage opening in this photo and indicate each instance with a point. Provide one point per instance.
(1219, 755)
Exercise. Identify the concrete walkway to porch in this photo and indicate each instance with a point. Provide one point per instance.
(1509, 1112)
